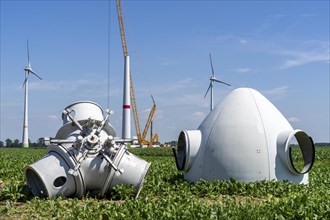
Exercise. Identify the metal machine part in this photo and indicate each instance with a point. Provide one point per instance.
(84, 156)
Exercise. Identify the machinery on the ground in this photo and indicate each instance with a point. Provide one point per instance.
(85, 156)
(246, 138)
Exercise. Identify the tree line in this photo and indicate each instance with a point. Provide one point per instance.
(16, 143)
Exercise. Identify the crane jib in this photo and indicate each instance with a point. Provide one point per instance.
(141, 137)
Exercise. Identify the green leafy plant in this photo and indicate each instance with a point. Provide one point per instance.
(166, 195)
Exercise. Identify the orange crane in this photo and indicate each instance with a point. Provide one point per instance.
(141, 137)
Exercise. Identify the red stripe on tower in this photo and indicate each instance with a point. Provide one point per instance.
(126, 106)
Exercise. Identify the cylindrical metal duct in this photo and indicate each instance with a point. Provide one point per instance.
(85, 157)
(304, 143)
(188, 146)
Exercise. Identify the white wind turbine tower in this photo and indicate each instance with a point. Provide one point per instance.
(213, 79)
(28, 70)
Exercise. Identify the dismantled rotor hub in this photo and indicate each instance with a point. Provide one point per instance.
(85, 156)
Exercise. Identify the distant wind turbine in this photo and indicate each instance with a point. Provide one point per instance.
(213, 79)
(28, 70)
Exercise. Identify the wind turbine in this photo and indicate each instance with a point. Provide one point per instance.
(28, 70)
(213, 79)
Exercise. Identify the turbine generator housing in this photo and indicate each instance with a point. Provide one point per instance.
(85, 157)
(246, 138)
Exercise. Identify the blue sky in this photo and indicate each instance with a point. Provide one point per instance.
(280, 48)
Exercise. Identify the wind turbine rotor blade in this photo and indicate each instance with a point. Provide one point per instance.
(208, 89)
(221, 82)
(28, 68)
(28, 51)
(26, 79)
(31, 71)
(211, 64)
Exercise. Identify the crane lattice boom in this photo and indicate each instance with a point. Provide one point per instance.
(141, 138)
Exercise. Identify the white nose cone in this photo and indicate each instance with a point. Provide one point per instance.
(246, 138)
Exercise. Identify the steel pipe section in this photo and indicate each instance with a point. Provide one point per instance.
(85, 157)
(246, 138)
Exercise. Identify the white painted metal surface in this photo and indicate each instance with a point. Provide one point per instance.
(25, 138)
(28, 69)
(85, 156)
(245, 137)
(126, 126)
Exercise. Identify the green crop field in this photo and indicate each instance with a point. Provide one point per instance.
(166, 195)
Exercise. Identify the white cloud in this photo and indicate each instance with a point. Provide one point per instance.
(146, 110)
(192, 99)
(243, 70)
(182, 84)
(63, 85)
(52, 117)
(233, 39)
(302, 58)
(293, 119)
(51, 86)
(244, 42)
(277, 91)
(198, 115)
